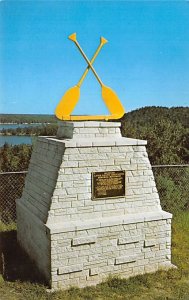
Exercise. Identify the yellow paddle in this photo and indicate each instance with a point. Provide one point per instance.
(109, 96)
(71, 97)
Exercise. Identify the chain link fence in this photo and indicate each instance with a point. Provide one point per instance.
(11, 186)
(172, 184)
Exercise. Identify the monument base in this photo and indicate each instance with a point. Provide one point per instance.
(77, 237)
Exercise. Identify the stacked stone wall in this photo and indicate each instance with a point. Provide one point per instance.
(72, 196)
(85, 257)
(42, 175)
(32, 237)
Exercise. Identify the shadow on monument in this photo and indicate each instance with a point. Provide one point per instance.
(14, 263)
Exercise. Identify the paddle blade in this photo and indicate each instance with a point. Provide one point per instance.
(112, 102)
(67, 103)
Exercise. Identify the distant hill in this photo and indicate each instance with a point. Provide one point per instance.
(27, 118)
(165, 129)
(151, 113)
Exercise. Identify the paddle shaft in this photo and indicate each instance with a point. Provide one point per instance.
(89, 66)
(89, 63)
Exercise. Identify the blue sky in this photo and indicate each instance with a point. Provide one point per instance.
(146, 61)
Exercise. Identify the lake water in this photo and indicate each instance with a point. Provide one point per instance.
(16, 139)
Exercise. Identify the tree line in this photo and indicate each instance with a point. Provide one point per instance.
(14, 158)
(44, 129)
(27, 118)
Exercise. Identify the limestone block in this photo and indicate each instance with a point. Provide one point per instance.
(125, 259)
(128, 240)
(70, 269)
(93, 271)
(149, 243)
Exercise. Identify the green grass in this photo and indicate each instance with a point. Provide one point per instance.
(170, 285)
(8, 227)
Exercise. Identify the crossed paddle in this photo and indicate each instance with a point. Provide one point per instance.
(69, 100)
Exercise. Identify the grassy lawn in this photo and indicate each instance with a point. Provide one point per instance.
(173, 284)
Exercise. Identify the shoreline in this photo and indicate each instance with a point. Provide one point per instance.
(23, 123)
(1, 134)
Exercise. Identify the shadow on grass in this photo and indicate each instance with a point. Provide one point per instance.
(14, 262)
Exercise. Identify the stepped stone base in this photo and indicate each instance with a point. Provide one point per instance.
(75, 239)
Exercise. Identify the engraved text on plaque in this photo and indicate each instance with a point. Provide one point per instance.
(109, 184)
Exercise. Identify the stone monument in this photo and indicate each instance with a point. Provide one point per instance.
(90, 207)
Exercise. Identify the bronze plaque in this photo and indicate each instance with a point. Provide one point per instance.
(109, 184)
